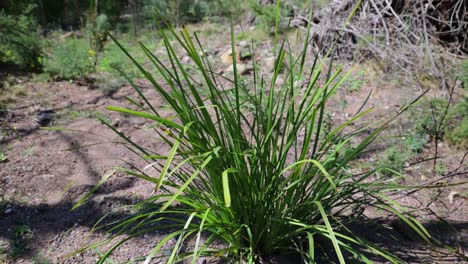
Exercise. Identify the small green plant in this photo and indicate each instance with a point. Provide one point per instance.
(437, 119)
(460, 72)
(41, 77)
(415, 142)
(22, 235)
(269, 15)
(72, 59)
(431, 117)
(27, 151)
(354, 83)
(457, 124)
(3, 153)
(3, 157)
(100, 30)
(40, 259)
(116, 63)
(441, 169)
(393, 160)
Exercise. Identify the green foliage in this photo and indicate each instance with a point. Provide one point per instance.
(177, 12)
(71, 59)
(103, 25)
(3, 156)
(115, 62)
(431, 118)
(415, 142)
(222, 8)
(99, 31)
(22, 236)
(460, 71)
(268, 15)
(190, 11)
(265, 14)
(355, 82)
(4, 152)
(245, 178)
(20, 44)
(457, 124)
(437, 119)
(393, 160)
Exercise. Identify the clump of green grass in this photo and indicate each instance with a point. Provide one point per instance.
(72, 59)
(22, 236)
(116, 63)
(261, 182)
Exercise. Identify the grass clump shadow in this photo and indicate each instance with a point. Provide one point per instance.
(252, 184)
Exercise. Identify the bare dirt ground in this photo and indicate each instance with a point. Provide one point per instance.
(47, 172)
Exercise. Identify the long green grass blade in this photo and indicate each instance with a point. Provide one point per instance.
(331, 233)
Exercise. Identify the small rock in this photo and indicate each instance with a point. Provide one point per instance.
(241, 69)
(93, 100)
(226, 57)
(45, 117)
(8, 211)
(243, 44)
(116, 122)
(451, 196)
(185, 59)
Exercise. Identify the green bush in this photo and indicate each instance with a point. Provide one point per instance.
(430, 117)
(437, 119)
(393, 160)
(71, 59)
(115, 62)
(20, 44)
(268, 15)
(460, 72)
(457, 124)
(261, 182)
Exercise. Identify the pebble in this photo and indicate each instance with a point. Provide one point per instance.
(116, 122)
(8, 211)
(93, 100)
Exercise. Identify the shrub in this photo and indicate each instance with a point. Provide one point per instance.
(115, 62)
(437, 118)
(268, 15)
(393, 160)
(460, 71)
(20, 44)
(70, 60)
(431, 118)
(457, 124)
(262, 182)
